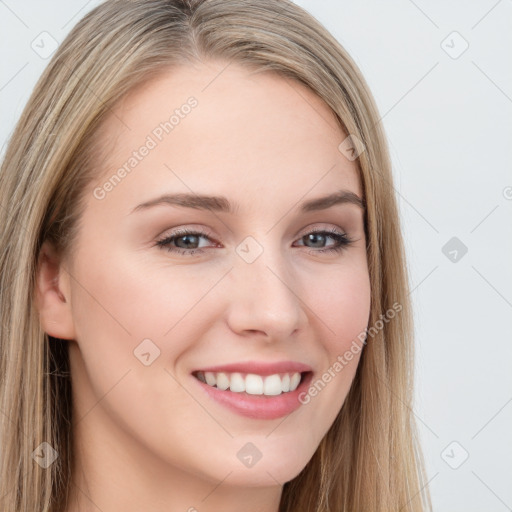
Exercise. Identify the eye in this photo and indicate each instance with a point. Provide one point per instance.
(319, 236)
(185, 241)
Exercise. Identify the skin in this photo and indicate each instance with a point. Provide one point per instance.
(147, 437)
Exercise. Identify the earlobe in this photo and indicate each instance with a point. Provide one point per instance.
(52, 295)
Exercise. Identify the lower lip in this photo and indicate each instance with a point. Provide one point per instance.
(260, 407)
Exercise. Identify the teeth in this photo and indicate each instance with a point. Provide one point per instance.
(222, 381)
(270, 385)
(237, 383)
(211, 380)
(253, 384)
(294, 381)
(286, 383)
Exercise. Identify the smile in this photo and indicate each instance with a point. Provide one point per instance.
(250, 383)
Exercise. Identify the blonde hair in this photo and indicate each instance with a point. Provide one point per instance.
(370, 459)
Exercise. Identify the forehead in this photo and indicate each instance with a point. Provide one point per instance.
(220, 127)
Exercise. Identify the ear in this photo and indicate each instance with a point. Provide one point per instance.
(52, 294)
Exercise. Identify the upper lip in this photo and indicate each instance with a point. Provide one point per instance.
(258, 367)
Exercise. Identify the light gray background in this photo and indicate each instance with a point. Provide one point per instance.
(448, 120)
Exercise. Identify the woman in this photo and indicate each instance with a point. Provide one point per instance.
(203, 288)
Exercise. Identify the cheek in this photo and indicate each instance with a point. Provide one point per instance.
(136, 298)
(350, 307)
(128, 308)
(342, 314)
(341, 301)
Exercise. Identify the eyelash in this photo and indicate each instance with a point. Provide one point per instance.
(343, 241)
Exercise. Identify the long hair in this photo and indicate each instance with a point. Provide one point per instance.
(370, 459)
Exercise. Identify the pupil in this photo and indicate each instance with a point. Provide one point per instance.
(187, 237)
(315, 237)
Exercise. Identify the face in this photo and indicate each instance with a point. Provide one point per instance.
(251, 291)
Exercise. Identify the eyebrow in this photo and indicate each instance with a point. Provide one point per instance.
(223, 205)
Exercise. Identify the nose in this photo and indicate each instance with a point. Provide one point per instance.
(264, 299)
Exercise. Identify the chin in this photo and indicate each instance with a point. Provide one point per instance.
(273, 468)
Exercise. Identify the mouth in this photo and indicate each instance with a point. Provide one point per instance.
(256, 389)
(253, 384)
(255, 396)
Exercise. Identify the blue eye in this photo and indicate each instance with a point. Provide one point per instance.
(341, 239)
(188, 239)
(185, 241)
